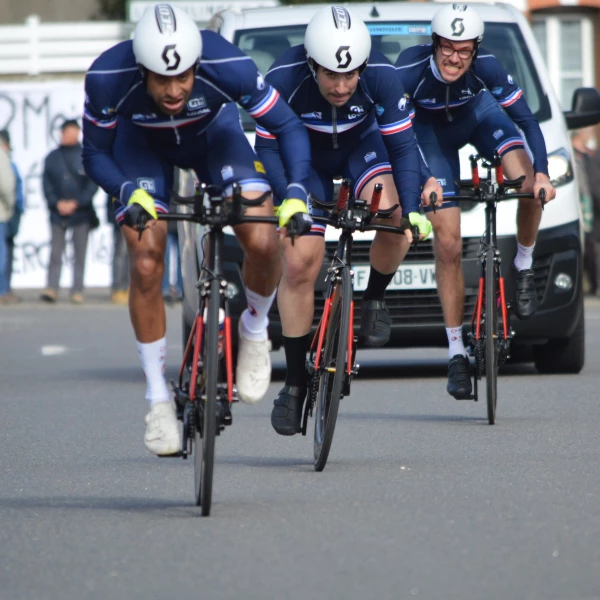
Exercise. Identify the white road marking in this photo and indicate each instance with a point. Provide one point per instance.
(53, 350)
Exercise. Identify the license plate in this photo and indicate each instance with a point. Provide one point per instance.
(414, 276)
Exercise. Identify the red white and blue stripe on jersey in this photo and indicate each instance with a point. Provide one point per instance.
(512, 98)
(265, 106)
(510, 144)
(396, 127)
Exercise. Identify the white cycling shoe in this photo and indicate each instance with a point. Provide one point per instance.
(253, 373)
(162, 430)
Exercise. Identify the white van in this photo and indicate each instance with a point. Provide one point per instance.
(554, 338)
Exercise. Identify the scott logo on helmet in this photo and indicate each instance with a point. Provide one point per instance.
(343, 57)
(458, 27)
(171, 57)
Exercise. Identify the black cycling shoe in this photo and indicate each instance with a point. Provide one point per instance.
(526, 301)
(459, 380)
(375, 324)
(286, 416)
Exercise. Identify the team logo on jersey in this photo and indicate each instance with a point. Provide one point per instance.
(510, 80)
(259, 167)
(497, 91)
(260, 82)
(402, 103)
(370, 156)
(458, 27)
(341, 17)
(227, 172)
(343, 57)
(498, 134)
(312, 115)
(357, 109)
(142, 117)
(147, 184)
(171, 57)
(427, 101)
(195, 103)
(379, 110)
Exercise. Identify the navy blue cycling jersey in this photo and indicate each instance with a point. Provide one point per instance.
(115, 89)
(435, 100)
(378, 102)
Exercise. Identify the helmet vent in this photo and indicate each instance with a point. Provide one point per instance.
(165, 18)
(341, 18)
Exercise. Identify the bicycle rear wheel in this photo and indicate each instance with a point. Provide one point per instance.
(492, 341)
(204, 452)
(333, 367)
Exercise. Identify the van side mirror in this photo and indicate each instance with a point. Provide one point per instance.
(586, 108)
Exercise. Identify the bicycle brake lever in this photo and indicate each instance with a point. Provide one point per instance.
(416, 233)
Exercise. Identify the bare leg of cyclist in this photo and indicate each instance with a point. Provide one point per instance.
(387, 253)
(529, 215)
(295, 299)
(261, 272)
(147, 313)
(451, 289)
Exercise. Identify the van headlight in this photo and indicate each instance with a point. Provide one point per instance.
(559, 167)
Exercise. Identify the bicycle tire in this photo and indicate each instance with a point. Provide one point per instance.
(333, 355)
(492, 342)
(204, 437)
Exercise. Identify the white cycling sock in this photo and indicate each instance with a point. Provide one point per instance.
(524, 257)
(455, 341)
(254, 319)
(153, 356)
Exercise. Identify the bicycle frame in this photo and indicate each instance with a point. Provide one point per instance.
(343, 260)
(213, 271)
(489, 242)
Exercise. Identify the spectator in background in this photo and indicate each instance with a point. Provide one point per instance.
(12, 227)
(119, 293)
(69, 193)
(582, 163)
(7, 206)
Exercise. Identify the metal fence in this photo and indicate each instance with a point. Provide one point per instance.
(37, 48)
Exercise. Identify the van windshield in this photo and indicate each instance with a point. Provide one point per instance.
(503, 40)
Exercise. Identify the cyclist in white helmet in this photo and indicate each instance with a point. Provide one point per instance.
(347, 96)
(462, 95)
(167, 100)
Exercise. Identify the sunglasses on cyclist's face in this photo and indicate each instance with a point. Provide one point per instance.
(463, 53)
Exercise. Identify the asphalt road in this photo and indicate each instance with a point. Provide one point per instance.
(420, 497)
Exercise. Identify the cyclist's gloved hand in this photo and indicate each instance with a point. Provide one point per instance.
(422, 223)
(140, 209)
(293, 214)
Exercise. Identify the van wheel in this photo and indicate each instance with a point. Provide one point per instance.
(565, 355)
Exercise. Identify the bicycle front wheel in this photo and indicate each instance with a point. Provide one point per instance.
(204, 452)
(333, 367)
(492, 341)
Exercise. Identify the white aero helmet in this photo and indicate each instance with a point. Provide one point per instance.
(457, 23)
(337, 40)
(166, 41)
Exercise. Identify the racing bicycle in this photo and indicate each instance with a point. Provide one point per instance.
(331, 360)
(205, 389)
(490, 335)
